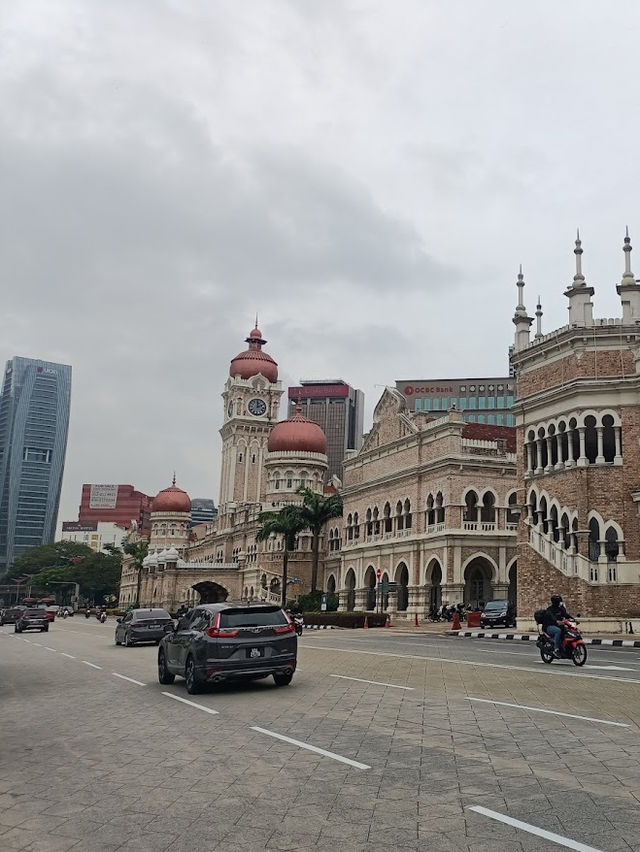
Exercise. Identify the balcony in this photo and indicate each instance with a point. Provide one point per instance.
(435, 528)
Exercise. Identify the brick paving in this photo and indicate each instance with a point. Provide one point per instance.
(90, 762)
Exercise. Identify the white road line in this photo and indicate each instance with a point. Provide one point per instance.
(589, 665)
(47, 648)
(191, 703)
(93, 665)
(532, 829)
(551, 712)
(26, 640)
(71, 657)
(376, 682)
(130, 679)
(558, 671)
(315, 749)
(37, 643)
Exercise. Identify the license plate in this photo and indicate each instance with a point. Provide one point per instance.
(254, 653)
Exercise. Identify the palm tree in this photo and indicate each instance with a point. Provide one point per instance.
(316, 511)
(288, 522)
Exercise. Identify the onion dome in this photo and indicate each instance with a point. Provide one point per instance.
(254, 361)
(297, 434)
(171, 555)
(162, 557)
(171, 499)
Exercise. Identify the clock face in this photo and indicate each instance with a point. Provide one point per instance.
(257, 407)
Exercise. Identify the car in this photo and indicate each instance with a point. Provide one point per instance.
(32, 619)
(218, 642)
(143, 625)
(498, 612)
(11, 614)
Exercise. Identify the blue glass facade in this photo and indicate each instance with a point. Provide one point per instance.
(484, 400)
(34, 422)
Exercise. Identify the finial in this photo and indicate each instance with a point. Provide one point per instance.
(256, 325)
(628, 276)
(538, 319)
(520, 308)
(578, 278)
(174, 479)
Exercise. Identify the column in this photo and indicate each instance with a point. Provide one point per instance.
(342, 600)
(582, 458)
(600, 456)
(617, 431)
(560, 462)
(392, 608)
(361, 599)
(539, 468)
(570, 461)
(416, 599)
(549, 466)
(530, 467)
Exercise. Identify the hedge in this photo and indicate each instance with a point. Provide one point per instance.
(346, 619)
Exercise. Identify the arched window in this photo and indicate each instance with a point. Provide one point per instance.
(543, 460)
(574, 437)
(376, 521)
(512, 505)
(533, 508)
(431, 512)
(407, 514)
(349, 527)
(399, 517)
(553, 524)
(439, 508)
(356, 526)
(554, 446)
(388, 523)
(471, 506)
(542, 515)
(611, 546)
(590, 439)
(565, 531)
(488, 511)
(608, 439)
(369, 523)
(594, 540)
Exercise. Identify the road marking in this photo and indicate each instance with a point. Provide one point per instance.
(93, 665)
(27, 640)
(551, 712)
(376, 682)
(315, 749)
(592, 650)
(71, 657)
(130, 679)
(47, 648)
(37, 643)
(190, 703)
(610, 668)
(564, 671)
(532, 829)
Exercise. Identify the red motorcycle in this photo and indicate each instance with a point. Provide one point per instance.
(571, 648)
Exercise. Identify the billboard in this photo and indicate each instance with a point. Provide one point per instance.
(79, 526)
(103, 496)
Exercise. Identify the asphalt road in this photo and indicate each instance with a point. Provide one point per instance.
(381, 742)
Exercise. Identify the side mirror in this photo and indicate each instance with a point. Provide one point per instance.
(118, 620)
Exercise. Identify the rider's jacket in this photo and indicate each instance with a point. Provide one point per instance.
(554, 614)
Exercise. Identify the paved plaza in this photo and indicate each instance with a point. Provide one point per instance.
(409, 734)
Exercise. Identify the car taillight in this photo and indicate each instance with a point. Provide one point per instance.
(288, 628)
(217, 632)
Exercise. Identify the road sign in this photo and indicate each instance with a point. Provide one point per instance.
(378, 573)
(323, 602)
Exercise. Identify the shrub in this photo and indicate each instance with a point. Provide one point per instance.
(313, 601)
(346, 619)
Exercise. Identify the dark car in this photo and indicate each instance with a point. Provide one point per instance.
(12, 614)
(32, 619)
(218, 642)
(498, 612)
(143, 625)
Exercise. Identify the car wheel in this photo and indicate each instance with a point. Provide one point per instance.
(192, 681)
(15, 628)
(45, 629)
(128, 641)
(283, 679)
(117, 641)
(164, 675)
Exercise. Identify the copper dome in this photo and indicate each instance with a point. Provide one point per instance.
(298, 434)
(253, 360)
(171, 499)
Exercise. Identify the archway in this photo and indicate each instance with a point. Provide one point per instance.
(350, 585)
(331, 585)
(477, 582)
(402, 580)
(513, 584)
(434, 586)
(210, 592)
(370, 586)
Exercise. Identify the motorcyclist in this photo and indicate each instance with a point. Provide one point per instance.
(553, 615)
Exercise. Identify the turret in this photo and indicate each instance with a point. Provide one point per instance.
(579, 295)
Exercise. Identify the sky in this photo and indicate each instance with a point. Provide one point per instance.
(366, 176)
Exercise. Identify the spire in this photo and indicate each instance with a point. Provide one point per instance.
(256, 325)
(538, 333)
(173, 482)
(578, 278)
(520, 308)
(521, 321)
(628, 277)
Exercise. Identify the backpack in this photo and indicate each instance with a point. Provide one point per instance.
(539, 616)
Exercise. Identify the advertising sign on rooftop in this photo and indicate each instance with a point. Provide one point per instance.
(103, 497)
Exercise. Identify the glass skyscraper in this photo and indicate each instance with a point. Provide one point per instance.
(34, 422)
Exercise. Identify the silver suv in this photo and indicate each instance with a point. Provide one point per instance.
(217, 642)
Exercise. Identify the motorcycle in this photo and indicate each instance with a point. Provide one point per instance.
(298, 621)
(572, 646)
(87, 614)
(101, 616)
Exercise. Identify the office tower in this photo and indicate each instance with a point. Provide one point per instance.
(338, 409)
(478, 400)
(34, 421)
(203, 511)
(115, 504)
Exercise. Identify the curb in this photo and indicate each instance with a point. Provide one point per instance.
(321, 627)
(532, 637)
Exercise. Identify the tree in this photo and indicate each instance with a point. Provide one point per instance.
(316, 511)
(288, 522)
(139, 550)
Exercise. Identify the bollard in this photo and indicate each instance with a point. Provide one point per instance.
(366, 622)
(455, 625)
(415, 620)
(388, 621)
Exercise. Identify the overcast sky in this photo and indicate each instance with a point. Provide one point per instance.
(365, 175)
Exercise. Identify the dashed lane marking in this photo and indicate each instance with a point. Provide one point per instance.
(130, 679)
(71, 657)
(37, 643)
(93, 665)
(191, 703)
(313, 748)
(47, 648)
(551, 712)
(376, 682)
(533, 829)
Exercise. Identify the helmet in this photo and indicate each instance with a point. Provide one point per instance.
(556, 600)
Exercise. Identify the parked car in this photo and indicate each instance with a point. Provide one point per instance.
(143, 625)
(32, 619)
(12, 614)
(498, 612)
(217, 642)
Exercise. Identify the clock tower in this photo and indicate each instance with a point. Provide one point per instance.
(251, 399)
